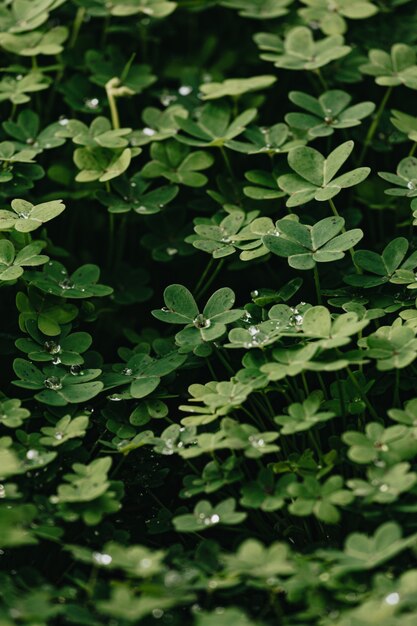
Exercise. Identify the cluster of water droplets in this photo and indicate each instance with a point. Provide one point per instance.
(201, 322)
(101, 559)
(53, 382)
(209, 520)
(256, 441)
(92, 103)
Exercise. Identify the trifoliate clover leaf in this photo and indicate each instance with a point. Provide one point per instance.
(314, 174)
(266, 493)
(58, 386)
(181, 308)
(363, 552)
(331, 15)
(26, 131)
(329, 112)
(389, 266)
(304, 246)
(218, 398)
(49, 316)
(254, 560)
(88, 493)
(143, 373)
(16, 89)
(248, 438)
(304, 415)
(65, 429)
(276, 139)
(36, 42)
(214, 126)
(377, 444)
(12, 414)
(407, 416)
(135, 560)
(159, 125)
(218, 239)
(393, 347)
(123, 604)
(26, 16)
(82, 283)
(235, 87)
(27, 216)
(206, 516)
(384, 485)
(331, 333)
(301, 52)
(178, 164)
(12, 263)
(321, 500)
(258, 9)
(135, 195)
(392, 69)
(405, 179)
(66, 349)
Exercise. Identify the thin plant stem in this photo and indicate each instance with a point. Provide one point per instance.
(362, 394)
(204, 275)
(317, 284)
(351, 251)
(211, 279)
(76, 26)
(374, 125)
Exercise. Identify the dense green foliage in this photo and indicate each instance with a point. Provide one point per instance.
(208, 260)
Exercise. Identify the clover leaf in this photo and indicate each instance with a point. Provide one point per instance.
(405, 179)
(206, 516)
(320, 500)
(12, 263)
(405, 123)
(301, 51)
(218, 239)
(181, 308)
(265, 492)
(314, 174)
(235, 87)
(304, 246)
(12, 414)
(106, 65)
(258, 9)
(377, 444)
(329, 112)
(331, 15)
(27, 217)
(214, 126)
(393, 347)
(385, 267)
(135, 195)
(36, 42)
(64, 430)
(392, 69)
(304, 415)
(384, 485)
(80, 284)
(178, 164)
(16, 89)
(276, 139)
(58, 386)
(27, 131)
(66, 349)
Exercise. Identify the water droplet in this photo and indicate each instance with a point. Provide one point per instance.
(185, 90)
(63, 121)
(66, 284)
(148, 131)
(20, 76)
(166, 99)
(102, 559)
(53, 382)
(256, 441)
(127, 371)
(157, 613)
(384, 488)
(165, 309)
(92, 103)
(254, 293)
(58, 435)
(172, 251)
(75, 370)
(32, 455)
(215, 519)
(24, 215)
(253, 330)
(56, 360)
(2, 491)
(410, 185)
(328, 119)
(145, 563)
(201, 322)
(52, 347)
(392, 598)
(30, 141)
